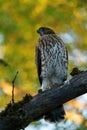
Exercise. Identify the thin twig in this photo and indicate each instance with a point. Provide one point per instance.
(13, 81)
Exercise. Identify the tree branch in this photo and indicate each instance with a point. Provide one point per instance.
(34, 109)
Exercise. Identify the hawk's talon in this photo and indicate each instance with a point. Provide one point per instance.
(67, 82)
(53, 85)
(39, 90)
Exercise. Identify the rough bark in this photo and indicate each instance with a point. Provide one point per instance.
(44, 102)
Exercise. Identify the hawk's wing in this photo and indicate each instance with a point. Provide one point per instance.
(38, 63)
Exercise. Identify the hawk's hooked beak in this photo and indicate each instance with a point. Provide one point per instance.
(38, 31)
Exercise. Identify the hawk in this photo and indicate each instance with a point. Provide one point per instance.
(52, 66)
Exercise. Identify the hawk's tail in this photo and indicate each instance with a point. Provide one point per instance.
(56, 115)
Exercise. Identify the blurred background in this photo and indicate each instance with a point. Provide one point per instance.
(19, 21)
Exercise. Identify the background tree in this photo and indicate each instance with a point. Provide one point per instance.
(18, 23)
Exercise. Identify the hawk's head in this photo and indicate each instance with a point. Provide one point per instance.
(44, 30)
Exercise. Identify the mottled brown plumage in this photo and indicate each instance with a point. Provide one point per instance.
(52, 65)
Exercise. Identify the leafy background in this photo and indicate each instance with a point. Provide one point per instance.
(19, 21)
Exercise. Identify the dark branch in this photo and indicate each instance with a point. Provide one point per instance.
(40, 104)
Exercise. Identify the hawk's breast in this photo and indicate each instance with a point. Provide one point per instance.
(53, 57)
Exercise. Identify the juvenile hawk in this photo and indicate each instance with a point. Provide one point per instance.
(52, 65)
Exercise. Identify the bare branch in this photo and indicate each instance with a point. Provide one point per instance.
(13, 81)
